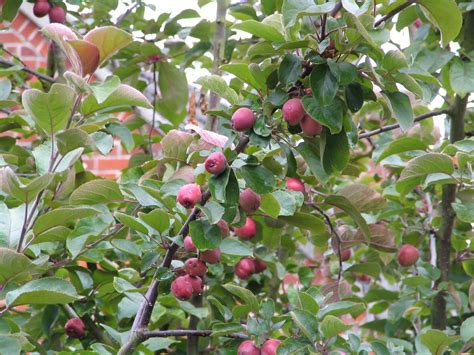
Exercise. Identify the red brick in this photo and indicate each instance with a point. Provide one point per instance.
(19, 21)
(29, 29)
(112, 164)
(37, 39)
(27, 52)
(9, 37)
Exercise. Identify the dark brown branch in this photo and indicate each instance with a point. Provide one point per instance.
(336, 9)
(394, 12)
(186, 332)
(28, 70)
(397, 125)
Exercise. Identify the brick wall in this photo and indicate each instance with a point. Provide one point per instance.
(23, 39)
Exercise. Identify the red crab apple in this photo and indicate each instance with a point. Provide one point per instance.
(195, 267)
(57, 14)
(196, 283)
(346, 254)
(310, 126)
(216, 163)
(224, 228)
(295, 185)
(248, 347)
(189, 195)
(74, 328)
(247, 231)
(408, 255)
(260, 265)
(245, 268)
(293, 111)
(270, 347)
(189, 245)
(364, 278)
(211, 256)
(243, 119)
(182, 288)
(41, 8)
(249, 201)
(417, 23)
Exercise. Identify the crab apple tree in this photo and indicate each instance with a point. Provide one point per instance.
(290, 177)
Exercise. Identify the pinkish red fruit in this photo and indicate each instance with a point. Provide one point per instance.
(195, 267)
(189, 195)
(417, 23)
(245, 268)
(182, 288)
(154, 58)
(295, 185)
(189, 245)
(260, 265)
(364, 278)
(310, 127)
(41, 8)
(211, 256)
(74, 328)
(196, 283)
(408, 255)
(57, 15)
(243, 119)
(224, 228)
(270, 347)
(293, 111)
(216, 163)
(248, 347)
(346, 254)
(247, 231)
(249, 201)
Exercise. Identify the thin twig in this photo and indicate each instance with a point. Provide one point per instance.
(394, 12)
(397, 125)
(185, 332)
(28, 70)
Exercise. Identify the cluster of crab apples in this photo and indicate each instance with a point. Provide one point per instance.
(56, 14)
(269, 347)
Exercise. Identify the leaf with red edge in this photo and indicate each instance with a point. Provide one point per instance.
(61, 34)
(108, 40)
(210, 137)
(88, 55)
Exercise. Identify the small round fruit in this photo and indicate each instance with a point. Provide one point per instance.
(295, 185)
(364, 278)
(41, 8)
(243, 119)
(195, 267)
(216, 163)
(247, 231)
(245, 268)
(260, 265)
(346, 254)
(270, 347)
(182, 288)
(189, 195)
(189, 245)
(57, 15)
(249, 201)
(196, 283)
(408, 255)
(224, 228)
(155, 58)
(248, 347)
(310, 127)
(293, 111)
(211, 256)
(74, 328)
(417, 23)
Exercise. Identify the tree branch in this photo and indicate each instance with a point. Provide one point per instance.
(397, 125)
(394, 12)
(186, 332)
(28, 70)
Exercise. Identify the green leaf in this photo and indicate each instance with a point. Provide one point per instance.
(9, 344)
(157, 219)
(467, 329)
(343, 307)
(308, 302)
(218, 85)
(292, 10)
(131, 222)
(245, 295)
(293, 346)
(401, 145)
(122, 132)
(461, 77)
(61, 216)
(10, 9)
(306, 221)
(205, 235)
(345, 205)
(73, 138)
(464, 211)
(289, 69)
(242, 71)
(307, 323)
(213, 211)
(48, 290)
(233, 246)
(222, 329)
(313, 160)
(24, 190)
(394, 61)
(218, 185)
(331, 326)
(323, 84)
(363, 197)
(352, 7)
(16, 266)
(335, 151)
(437, 341)
(400, 105)
(95, 192)
(370, 268)
(260, 29)
(109, 40)
(5, 89)
(418, 168)
(103, 90)
(330, 116)
(174, 93)
(51, 110)
(5, 225)
(258, 178)
(444, 14)
(175, 144)
(269, 204)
